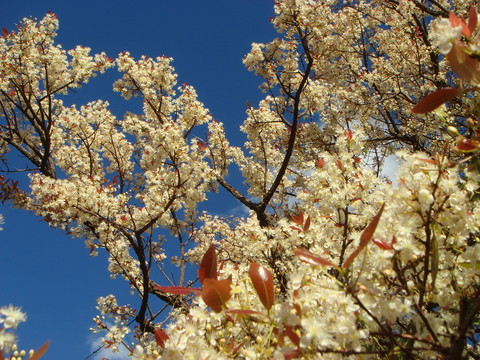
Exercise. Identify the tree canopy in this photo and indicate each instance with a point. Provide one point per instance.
(335, 259)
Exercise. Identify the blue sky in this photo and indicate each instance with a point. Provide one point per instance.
(50, 275)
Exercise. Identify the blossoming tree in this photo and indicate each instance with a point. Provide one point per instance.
(334, 260)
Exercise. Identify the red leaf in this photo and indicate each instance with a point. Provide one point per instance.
(178, 290)
(306, 226)
(456, 21)
(4, 32)
(428, 161)
(434, 100)
(208, 266)
(348, 134)
(160, 337)
(242, 312)
(320, 163)
(310, 258)
(366, 237)
(216, 293)
(292, 355)
(466, 67)
(467, 145)
(382, 244)
(263, 283)
(40, 352)
(298, 219)
(201, 145)
(472, 19)
(1, 355)
(292, 335)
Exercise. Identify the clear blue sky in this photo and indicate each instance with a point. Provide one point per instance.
(50, 274)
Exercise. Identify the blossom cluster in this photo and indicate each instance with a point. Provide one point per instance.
(10, 317)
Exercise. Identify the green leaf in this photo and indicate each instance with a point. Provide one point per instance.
(263, 283)
(468, 265)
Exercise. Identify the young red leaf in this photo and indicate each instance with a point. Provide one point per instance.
(178, 290)
(382, 244)
(298, 219)
(1, 355)
(263, 283)
(310, 258)
(40, 352)
(160, 337)
(320, 163)
(208, 266)
(4, 32)
(466, 67)
(434, 100)
(242, 312)
(467, 145)
(456, 21)
(292, 355)
(306, 226)
(348, 134)
(216, 293)
(472, 19)
(366, 237)
(292, 335)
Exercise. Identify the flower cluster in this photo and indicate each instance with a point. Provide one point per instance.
(10, 317)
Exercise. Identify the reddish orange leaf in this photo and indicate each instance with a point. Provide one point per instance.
(242, 312)
(382, 244)
(456, 21)
(295, 354)
(208, 266)
(216, 293)
(160, 337)
(466, 67)
(472, 19)
(292, 335)
(4, 32)
(201, 145)
(312, 259)
(467, 145)
(320, 163)
(366, 237)
(348, 134)
(178, 290)
(428, 161)
(40, 352)
(1, 355)
(434, 100)
(263, 283)
(306, 226)
(298, 219)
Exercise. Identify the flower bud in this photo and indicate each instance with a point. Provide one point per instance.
(470, 123)
(452, 130)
